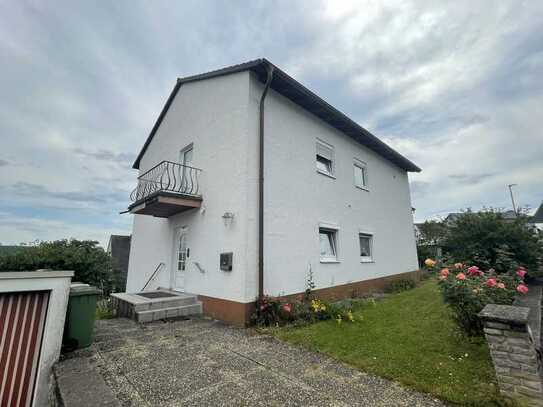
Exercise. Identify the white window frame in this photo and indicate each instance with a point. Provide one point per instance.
(326, 152)
(333, 232)
(370, 258)
(182, 153)
(360, 165)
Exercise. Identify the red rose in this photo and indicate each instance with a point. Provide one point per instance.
(491, 282)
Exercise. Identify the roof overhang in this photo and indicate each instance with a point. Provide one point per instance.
(299, 94)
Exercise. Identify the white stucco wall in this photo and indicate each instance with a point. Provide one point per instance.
(297, 199)
(212, 114)
(220, 116)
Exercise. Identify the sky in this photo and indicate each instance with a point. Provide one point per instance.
(454, 86)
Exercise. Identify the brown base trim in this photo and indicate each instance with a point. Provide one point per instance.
(358, 288)
(238, 313)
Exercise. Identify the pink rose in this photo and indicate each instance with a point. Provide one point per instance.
(474, 271)
(287, 308)
(501, 285)
(522, 288)
(460, 276)
(521, 272)
(458, 265)
(491, 282)
(444, 273)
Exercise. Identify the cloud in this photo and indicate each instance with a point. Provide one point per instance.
(16, 230)
(454, 86)
(107, 194)
(470, 178)
(105, 155)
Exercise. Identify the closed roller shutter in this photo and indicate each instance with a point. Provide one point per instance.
(22, 319)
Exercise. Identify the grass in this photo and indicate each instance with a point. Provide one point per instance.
(410, 338)
(104, 309)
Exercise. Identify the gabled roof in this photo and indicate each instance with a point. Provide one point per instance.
(538, 215)
(299, 94)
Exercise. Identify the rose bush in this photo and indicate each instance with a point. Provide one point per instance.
(468, 289)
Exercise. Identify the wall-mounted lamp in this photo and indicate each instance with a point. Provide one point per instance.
(228, 218)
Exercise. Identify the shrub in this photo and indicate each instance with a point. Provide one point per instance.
(398, 286)
(271, 311)
(105, 309)
(90, 263)
(486, 239)
(468, 289)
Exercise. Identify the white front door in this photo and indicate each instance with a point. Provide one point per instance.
(181, 254)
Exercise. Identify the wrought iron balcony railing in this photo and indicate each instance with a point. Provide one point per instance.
(169, 177)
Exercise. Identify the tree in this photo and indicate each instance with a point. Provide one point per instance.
(432, 232)
(430, 236)
(488, 240)
(90, 263)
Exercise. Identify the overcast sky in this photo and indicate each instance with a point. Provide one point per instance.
(456, 87)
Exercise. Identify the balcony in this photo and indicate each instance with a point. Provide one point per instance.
(166, 189)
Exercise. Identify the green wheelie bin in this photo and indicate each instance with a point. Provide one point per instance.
(79, 326)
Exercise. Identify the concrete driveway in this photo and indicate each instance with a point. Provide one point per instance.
(206, 363)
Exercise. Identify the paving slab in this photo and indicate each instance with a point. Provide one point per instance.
(200, 362)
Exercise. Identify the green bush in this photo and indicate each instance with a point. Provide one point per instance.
(468, 289)
(105, 309)
(90, 263)
(486, 239)
(397, 286)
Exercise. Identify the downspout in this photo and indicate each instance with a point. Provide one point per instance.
(269, 68)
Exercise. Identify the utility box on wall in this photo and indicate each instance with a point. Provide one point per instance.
(226, 261)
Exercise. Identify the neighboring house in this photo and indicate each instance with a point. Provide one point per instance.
(119, 249)
(229, 218)
(537, 219)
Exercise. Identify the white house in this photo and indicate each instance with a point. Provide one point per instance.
(248, 180)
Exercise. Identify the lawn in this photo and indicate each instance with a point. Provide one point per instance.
(410, 338)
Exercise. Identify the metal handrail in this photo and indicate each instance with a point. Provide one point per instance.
(153, 275)
(168, 176)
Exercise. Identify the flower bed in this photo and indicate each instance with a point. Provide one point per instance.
(274, 311)
(468, 289)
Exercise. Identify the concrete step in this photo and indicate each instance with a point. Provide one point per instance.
(169, 312)
(171, 302)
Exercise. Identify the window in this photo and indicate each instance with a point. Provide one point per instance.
(185, 156)
(325, 158)
(366, 243)
(185, 159)
(328, 244)
(360, 176)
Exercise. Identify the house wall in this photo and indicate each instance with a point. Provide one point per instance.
(220, 116)
(212, 114)
(297, 199)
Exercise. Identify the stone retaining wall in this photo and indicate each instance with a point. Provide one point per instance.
(514, 354)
